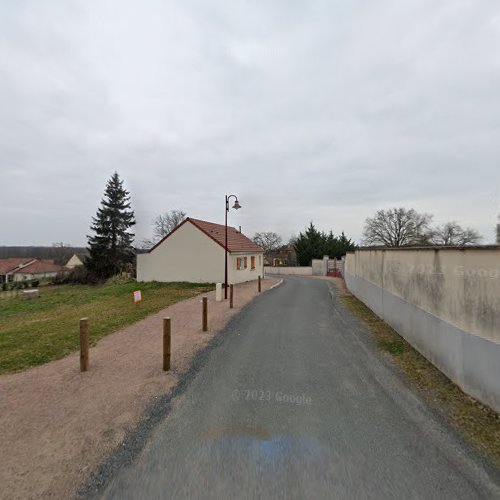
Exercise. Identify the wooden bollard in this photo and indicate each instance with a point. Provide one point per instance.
(260, 285)
(231, 295)
(166, 344)
(84, 344)
(205, 315)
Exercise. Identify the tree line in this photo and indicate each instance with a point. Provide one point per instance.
(310, 244)
(111, 251)
(314, 244)
(400, 227)
(60, 253)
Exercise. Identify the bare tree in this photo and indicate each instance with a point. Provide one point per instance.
(269, 241)
(397, 227)
(164, 224)
(452, 234)
(146, 244)
(61, 252)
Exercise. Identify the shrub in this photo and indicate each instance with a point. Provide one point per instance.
(78, 275)
(118, 279)
(35, 283)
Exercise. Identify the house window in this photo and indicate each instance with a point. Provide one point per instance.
(260, 260)
(239, 263)
(252, 262)
(245, 260)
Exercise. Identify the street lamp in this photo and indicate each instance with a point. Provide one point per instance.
(236, 206)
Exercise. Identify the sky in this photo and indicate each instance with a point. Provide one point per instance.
(322, 111)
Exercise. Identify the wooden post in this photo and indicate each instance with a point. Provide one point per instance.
(166, 344)
(84, 344)
(231, 296)
(205, 314)
(260, 286)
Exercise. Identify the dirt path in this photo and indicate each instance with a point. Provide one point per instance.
(57, 424)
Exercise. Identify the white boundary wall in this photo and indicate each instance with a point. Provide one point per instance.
(292, 271)
(443, 301)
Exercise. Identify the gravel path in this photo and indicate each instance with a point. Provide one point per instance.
(57, 424)
(296, 401)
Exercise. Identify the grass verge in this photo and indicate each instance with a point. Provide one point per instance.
(476, 423)
(35, 331)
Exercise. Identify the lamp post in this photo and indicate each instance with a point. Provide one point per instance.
(236, 206)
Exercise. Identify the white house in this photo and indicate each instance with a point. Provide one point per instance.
(194, 252)
(27, 269)
(8, 266)
(76, 260)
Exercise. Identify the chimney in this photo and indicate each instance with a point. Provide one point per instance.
(240, 229)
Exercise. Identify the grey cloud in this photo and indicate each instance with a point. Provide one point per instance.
(319, 110)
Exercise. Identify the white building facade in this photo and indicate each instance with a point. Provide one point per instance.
(194, 252)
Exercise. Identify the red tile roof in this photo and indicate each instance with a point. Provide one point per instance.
(39, 266)
(8, 265)
(236, 241)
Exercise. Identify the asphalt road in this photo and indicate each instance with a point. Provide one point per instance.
(297, 402)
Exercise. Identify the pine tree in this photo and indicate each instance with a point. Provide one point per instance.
(111, 246)
(313, 244)
(331, 245)
(309, 245)
(345, 245)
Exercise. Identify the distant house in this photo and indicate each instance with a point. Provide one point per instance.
(8, 266)
(21, 269)
(76, 260)
(284, 256)
(195, 252)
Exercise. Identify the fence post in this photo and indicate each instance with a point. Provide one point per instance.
(166, 344)
(205, 314)
(231, 296)
(84, 344)
(260, 286)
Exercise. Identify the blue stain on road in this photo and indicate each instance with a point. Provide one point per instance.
(274, 451)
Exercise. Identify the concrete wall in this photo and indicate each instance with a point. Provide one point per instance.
(319, 266)
(293, 271)
(190, 255)
(445, 302)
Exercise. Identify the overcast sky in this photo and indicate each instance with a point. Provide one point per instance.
(307, 110)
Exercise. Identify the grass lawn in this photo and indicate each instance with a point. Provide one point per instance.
(34, 331)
